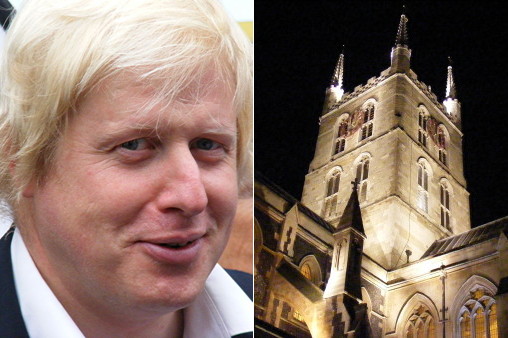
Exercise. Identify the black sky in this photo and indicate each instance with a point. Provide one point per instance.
(297, 44)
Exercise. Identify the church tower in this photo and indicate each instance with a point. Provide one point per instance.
(403, 147)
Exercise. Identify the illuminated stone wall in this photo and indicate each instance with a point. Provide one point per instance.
(393, 220)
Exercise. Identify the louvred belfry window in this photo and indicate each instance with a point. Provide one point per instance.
(441, 144)
(444, 197)
(422, 129)
(368, 124)
(362, 174)
(332, 192)
(340, 140)
(423, 187)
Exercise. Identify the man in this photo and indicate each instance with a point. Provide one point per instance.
(124, 128)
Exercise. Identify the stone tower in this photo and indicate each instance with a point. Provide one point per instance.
(404, 148)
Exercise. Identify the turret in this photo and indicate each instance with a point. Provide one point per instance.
(401, 54)
(335, 91)
(451, 102)
(338, 76)
(347, 253)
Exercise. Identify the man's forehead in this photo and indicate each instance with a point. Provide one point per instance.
(183, 88)
(139, 105)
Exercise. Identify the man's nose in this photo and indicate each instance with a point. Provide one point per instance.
(182, 187)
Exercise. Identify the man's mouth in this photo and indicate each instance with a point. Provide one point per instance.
(176, 251)
(175, 245)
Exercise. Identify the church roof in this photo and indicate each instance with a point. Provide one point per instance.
(289, 198)
(474, 236)
(316, 218)
(258, 176)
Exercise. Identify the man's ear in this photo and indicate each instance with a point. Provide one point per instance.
(28, 190)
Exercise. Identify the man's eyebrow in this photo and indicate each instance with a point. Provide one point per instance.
(159, 130)
(223, 129)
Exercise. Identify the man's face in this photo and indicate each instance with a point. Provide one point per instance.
(137, 208)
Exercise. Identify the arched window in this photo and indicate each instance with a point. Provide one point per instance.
(420, 324)
(362, 174)
(422, 127)
(442, 141)
(310, 269)
(423, 186)
(444, 198)
(306, 271)
(478, 316)
(342, 130)
(368, 123)
(332, 192)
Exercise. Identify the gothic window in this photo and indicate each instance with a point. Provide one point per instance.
(340, 145)
(478, 316)
(332, 192)
(362, 174)
(423, 186)
(340, 140)
(310, 269)
(442, 141)
(420, 324)
(306, 271)
(422, 128)
(444, 198)
(368, 124)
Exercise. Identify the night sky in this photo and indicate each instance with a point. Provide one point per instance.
(297, 44)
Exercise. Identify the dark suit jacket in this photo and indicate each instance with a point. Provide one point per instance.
(11, 320)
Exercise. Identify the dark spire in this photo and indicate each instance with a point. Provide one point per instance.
(352, 216)
(402, 37)
(451, 90)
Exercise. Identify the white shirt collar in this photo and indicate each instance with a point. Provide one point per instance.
(221, 310)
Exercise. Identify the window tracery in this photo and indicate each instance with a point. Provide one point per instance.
(306, 271)
(368, 123)
(420, 324)
(478, 316)
(340, 139)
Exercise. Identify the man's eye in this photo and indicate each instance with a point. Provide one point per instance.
(137, 144)
(205, 144)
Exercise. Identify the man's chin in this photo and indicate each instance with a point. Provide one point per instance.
(173, 294)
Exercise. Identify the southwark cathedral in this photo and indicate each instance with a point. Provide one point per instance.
(380, 244)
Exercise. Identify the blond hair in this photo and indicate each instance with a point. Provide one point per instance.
(58, 51)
